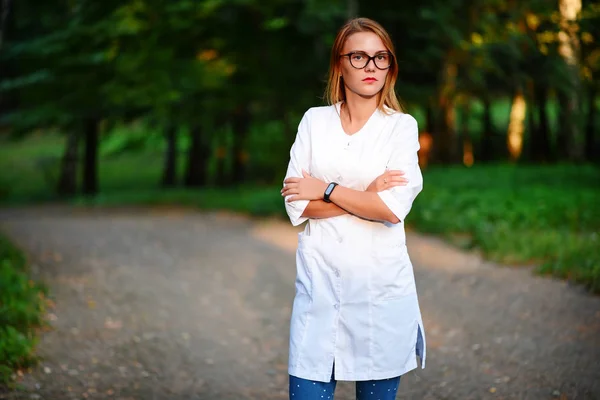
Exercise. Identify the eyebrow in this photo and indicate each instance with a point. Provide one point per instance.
(364, 51)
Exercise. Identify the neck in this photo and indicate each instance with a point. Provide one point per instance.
(358, 108)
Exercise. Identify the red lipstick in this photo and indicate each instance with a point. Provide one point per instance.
(369, 80)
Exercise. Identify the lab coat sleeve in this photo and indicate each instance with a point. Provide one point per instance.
(300, 154)
(404, 157)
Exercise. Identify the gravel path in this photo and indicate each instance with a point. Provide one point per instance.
(176, 304)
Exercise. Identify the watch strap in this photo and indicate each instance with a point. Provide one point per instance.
(328, 192)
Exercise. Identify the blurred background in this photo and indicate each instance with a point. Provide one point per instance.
(196, 103)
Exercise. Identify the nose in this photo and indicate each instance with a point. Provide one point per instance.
(370, 65)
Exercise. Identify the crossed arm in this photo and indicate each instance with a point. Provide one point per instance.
(382, 201)
(365, 204)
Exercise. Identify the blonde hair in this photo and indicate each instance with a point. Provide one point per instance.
(335, 92)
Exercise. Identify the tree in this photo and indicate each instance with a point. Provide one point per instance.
(569, 48)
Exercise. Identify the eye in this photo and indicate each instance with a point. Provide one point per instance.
(357, 56)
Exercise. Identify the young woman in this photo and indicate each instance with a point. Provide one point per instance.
(353, 174)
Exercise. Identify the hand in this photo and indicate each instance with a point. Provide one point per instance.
(305, 188)
(387, 180)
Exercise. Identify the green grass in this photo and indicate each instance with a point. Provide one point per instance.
(543, 215)
(22, 307)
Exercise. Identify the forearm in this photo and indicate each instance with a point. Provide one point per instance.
(366, 205)
(321, 209)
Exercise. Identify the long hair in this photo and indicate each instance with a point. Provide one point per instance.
(335, 92)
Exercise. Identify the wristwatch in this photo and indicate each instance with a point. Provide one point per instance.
(328, 191)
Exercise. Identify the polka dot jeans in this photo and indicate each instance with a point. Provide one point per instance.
(303, 389)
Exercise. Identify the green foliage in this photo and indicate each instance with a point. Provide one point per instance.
(134, 137)
(547, 215)
(269, 148)
(27, 167)
(22, 308)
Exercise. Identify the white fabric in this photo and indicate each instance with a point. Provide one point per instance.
(356, 307)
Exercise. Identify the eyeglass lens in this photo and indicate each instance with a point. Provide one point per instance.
(361, 59)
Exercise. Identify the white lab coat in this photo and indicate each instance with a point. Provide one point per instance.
(356, 308)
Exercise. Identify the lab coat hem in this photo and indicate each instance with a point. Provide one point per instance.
(423, 355)
(379, 375)
(354, 377)
(294, 371)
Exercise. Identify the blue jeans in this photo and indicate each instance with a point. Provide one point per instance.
(304, 389)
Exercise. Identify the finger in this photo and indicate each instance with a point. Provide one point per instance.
(288, 192)
(292, 180)
(398, 179)
(395, 178)
(394, 172)
(395, 184)
(305, 174)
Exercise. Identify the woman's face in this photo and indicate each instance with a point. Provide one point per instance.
(368, 80)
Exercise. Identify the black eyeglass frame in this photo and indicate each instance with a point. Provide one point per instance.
(369, 58)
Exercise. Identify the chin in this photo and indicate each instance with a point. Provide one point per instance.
(368, 93)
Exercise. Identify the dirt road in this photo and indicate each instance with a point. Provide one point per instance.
(176, 304)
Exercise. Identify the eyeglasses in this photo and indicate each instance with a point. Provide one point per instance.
(360, 59)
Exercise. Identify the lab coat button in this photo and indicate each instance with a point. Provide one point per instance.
(337, 306)
(337, 273)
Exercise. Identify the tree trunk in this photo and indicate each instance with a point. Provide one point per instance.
(220, 155)
(241, 126)
(532, 126)
(544, 127)
(90, 161)
(447, 145)
(487, 136)
(4, 11)
(169, 178)
(563, 126)
(8, 100)
(429, 118)
(569, 49)
(426, 137)
(221, 169)
(198, 155)
(465, 136)
(590, 145)
(67, 181)
(540, 132)
(516, 126)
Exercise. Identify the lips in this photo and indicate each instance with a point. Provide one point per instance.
(369, 80)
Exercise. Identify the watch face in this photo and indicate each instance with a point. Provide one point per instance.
(329, 189)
